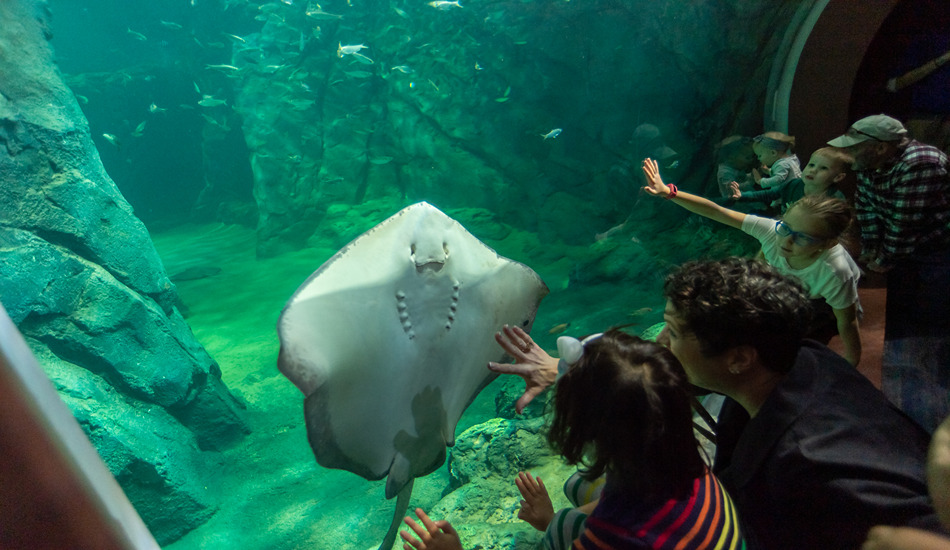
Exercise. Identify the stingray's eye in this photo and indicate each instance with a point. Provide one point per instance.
(412, 249)
(525, 323)
(445, 248)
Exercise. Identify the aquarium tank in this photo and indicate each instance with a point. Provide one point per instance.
(172, 171)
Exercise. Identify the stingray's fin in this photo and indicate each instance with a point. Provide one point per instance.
(402, 504)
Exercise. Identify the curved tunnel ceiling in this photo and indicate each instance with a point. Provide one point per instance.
(810, 91)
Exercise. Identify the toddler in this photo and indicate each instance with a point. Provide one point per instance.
(826, 169)
(775, 151)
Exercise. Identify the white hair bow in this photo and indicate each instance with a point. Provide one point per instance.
(570, 350)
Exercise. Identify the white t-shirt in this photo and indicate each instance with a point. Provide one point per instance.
(833, 276)
(783, 170)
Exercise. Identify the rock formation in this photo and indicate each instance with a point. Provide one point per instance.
(81, 279)
(454, 108)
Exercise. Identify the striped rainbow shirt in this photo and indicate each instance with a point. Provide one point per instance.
(706, 519)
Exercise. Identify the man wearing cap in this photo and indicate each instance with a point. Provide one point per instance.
(903, 207)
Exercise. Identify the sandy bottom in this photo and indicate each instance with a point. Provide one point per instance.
(268, 489)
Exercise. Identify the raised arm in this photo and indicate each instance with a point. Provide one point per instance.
(693, 203)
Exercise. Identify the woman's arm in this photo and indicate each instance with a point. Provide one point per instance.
(693, 203)
(848, 331)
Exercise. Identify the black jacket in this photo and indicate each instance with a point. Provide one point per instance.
(826, 458)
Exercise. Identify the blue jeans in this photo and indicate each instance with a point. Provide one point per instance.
(915, 368)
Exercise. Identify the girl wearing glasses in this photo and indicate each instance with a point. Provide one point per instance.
(803, 244)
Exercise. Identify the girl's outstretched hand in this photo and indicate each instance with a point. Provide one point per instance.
(536, 508)
(432, 535)
(655, 185)
(532, 364)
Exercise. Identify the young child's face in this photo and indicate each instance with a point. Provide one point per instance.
(765, 155)
(821, 172)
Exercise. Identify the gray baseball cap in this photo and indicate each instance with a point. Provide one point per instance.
(876, 127)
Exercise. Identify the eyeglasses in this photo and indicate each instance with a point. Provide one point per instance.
(799, 238)
(853, 131)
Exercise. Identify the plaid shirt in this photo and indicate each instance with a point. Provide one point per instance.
(904, 209)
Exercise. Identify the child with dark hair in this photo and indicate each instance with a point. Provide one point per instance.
(737, 160)
(622, 412)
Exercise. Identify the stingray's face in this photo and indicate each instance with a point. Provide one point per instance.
(429, 245)
(429, 255)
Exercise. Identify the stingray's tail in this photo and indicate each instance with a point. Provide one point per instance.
(402, 504)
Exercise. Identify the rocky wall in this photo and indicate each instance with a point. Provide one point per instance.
(81, 279)
(454, 106)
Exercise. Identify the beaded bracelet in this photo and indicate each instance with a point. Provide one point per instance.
(673, 191)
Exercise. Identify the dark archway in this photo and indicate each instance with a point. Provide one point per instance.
(847, 57)
(828, 67)
(903, 74)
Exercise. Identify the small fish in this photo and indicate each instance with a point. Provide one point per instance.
(170, 25)
(349, 49)
(301, 104)
(380, 160)
(316, 12)
(477, 66)
(362, 59)
(558, 329)
(224, 68)
(137, 35)
(236, 38)
(112, 139)
(214, 122)
(139, 129)
(82, 99)
(445, 4)
(153, 108)
(642, 311)
(552, 134)
(196, 87)
(211, 101)
(401, 13)
(404, 69)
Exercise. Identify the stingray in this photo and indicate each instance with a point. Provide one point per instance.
(389, 341)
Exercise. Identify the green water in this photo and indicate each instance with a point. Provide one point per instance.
(253, 152)
(269, 490)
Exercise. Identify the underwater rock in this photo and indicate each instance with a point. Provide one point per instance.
(482, 501)
(81, 279)
(462, 121)
(153, 461)
(499, 447)
(615, 259)
(512, 388)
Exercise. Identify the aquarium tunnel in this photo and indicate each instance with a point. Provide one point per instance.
(173, 171)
